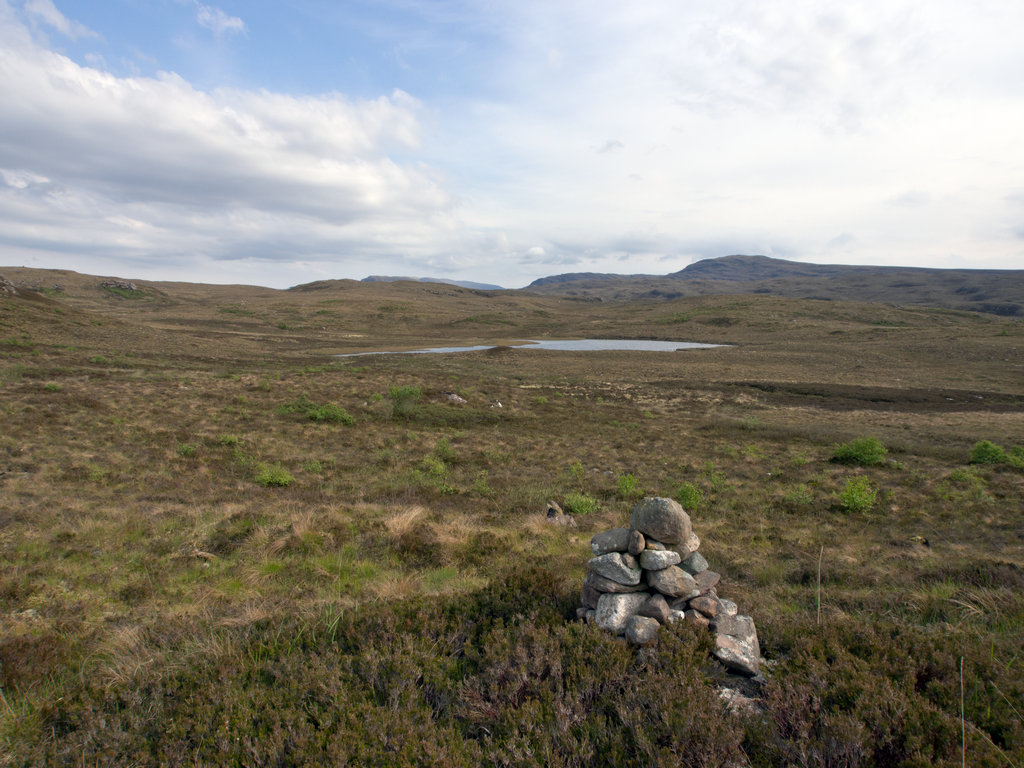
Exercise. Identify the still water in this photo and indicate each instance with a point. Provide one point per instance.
(565, 345)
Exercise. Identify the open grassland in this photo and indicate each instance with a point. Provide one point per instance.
(219, 544)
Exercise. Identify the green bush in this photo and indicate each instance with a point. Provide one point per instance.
(985, 452)
(273, 476)
(1015, 458)
(581, 504)
(858, 495)
(328, 412)
(629, 487)
(865, 451)
(689, 496)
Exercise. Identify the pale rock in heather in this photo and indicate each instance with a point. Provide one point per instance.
(662, 519)
(738, 655)
(613, 611)
(729, 607)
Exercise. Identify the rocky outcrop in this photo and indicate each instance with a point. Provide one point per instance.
(652, 574)
(7, 287)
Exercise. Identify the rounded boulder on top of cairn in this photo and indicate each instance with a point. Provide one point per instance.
(632, 591)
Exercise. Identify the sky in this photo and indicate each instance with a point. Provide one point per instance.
(277, 143)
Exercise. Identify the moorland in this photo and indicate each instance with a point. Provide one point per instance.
(222, 545)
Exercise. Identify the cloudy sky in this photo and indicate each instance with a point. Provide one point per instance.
(275, 143)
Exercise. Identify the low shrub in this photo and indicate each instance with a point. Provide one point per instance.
(273, 476)
(858, 495)
(865, 451)
(986, 452)
(328, 412)
(577, 503)
(689, 496)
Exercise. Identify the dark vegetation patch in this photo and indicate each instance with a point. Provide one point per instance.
(844, 397)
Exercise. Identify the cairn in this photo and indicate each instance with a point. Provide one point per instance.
(651, 574)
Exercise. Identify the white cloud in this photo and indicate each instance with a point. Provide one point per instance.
(46, 12)
(217, 21)
(152, 167)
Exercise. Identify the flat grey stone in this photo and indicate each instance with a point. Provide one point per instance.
(673, 582)
(613, 611)
(642, 630)
(615, 566)
(589, 596)
(615, 540)
(603, 585)
(654, 545)
(694, 563)
(740, 627)
(652, 560)
(707, 580)
(662, 519)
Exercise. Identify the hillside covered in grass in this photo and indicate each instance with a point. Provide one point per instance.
(221, 544)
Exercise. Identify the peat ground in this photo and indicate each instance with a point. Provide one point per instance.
(221, 545)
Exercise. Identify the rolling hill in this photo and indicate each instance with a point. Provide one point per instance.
(992, 291)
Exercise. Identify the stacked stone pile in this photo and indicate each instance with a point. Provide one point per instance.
(652, 574)
(7, 287)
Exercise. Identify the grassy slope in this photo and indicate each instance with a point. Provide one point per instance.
(402, 599)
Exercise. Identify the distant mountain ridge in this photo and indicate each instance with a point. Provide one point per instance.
(993, 291)
(446, 281)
